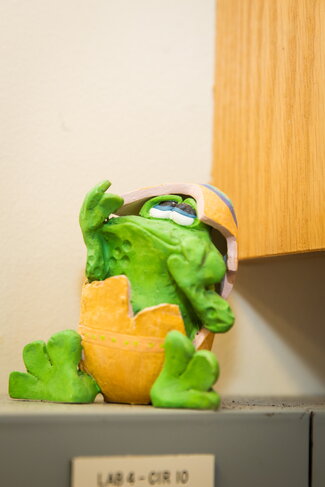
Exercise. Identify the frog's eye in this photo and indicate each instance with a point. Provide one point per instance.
(185, 209)
(179, 212)
(163, 209)
(183, 214)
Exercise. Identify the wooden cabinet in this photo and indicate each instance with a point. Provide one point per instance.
(269, 126)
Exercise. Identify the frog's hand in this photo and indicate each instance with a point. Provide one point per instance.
(52, 372)
(187, 376)
(96, 208)
(196, 271)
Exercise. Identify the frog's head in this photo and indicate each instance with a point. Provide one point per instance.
(188, 207)
(173, 208)
(166, 219)
(170, 218)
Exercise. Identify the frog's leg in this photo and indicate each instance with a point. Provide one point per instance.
(96, 208)
(187, 376)
(196, 270)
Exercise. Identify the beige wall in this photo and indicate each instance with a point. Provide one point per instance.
(277, 346)
(120, 90)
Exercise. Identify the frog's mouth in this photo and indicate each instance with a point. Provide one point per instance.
(161, 230)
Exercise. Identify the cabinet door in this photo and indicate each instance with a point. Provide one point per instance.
(269, 127)
(318, 436)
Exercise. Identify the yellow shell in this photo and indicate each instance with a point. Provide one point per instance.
(123, 352)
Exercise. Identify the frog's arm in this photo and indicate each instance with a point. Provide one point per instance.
(196, 270)
(97, 206)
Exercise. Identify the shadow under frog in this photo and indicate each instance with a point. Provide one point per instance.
(167, 255)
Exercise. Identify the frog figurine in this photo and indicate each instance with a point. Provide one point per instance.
(156, 239)
(154, 296)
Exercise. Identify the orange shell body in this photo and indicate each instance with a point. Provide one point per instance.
(124, 353)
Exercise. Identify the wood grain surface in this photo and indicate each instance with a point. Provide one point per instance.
(269, 127)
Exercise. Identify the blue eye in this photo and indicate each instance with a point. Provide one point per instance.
(181, 213)
(185, 209)
(163, 209)
(182, 218)
(159, 211)
(166, 205)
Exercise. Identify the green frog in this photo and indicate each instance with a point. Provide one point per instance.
(168, 256)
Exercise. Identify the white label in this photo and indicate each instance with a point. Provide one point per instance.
(144, 471)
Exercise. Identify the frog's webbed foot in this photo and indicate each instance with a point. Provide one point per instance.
(52, 372)
(187, 376)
